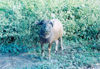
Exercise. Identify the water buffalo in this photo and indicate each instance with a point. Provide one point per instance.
(51, 31)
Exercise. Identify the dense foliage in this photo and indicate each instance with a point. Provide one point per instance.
(81, 18)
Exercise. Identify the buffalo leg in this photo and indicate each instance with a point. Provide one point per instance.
(56, 47)
(49, 49)
(42, 51)
(61, 43)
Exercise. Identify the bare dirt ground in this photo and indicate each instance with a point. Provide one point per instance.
(69, 58)
(26, 61)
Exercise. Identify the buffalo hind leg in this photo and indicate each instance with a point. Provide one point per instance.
(61, 43)
(56, 47)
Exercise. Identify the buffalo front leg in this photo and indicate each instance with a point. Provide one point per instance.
(42, 50)
(49, 49)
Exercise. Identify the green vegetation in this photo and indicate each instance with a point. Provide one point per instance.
(81, 21)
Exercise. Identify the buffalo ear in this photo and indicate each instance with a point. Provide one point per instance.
(51, 24)
(40, 22)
